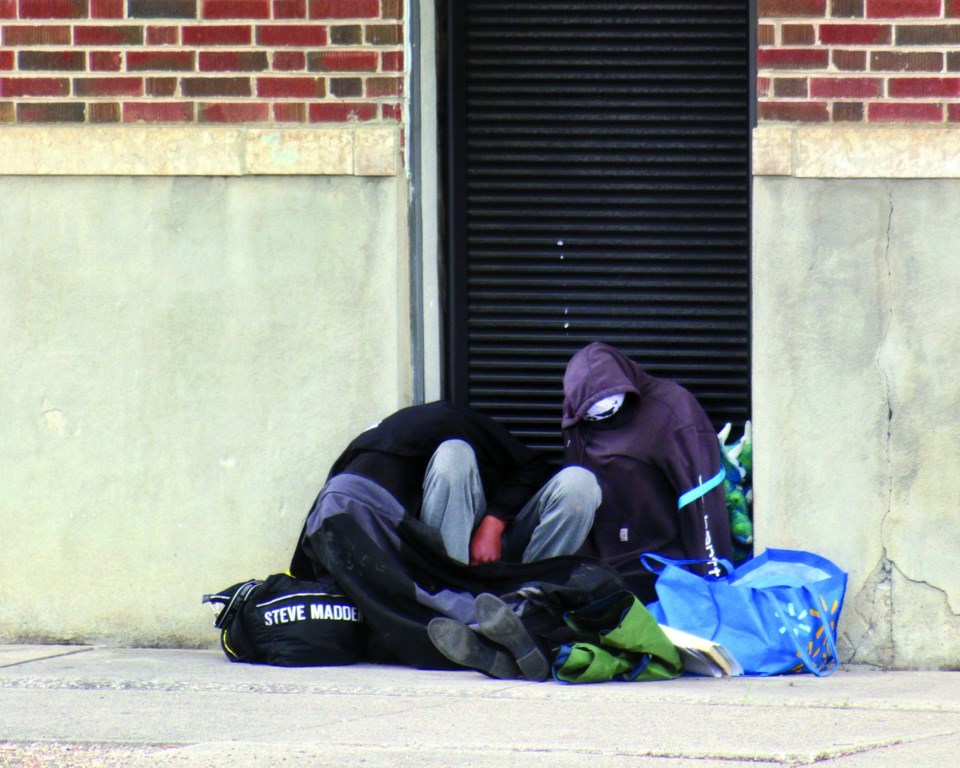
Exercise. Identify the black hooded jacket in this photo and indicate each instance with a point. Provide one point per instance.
(395, 454)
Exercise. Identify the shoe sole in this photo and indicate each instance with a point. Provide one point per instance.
(499, 623)
(463, 646)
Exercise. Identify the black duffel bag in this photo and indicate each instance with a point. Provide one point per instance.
(288, 622)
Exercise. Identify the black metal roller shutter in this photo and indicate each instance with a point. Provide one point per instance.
(599, 190)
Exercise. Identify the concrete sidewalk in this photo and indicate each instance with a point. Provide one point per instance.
(70, 706)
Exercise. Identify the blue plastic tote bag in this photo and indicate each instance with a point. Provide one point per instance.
(776, 613)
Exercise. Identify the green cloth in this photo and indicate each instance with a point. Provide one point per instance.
(618, 640)
(586, 663)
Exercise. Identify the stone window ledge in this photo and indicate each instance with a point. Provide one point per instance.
(41, 150)
(856, 152)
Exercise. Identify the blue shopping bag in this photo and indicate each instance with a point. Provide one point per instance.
(776, 613)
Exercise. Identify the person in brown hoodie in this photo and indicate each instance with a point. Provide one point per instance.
(656, 457)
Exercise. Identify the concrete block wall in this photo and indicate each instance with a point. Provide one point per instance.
(184, 358)
(204, 284)
(281, 62)
(856, 405)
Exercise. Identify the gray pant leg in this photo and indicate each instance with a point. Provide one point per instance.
(453, 500)
(372, 506)
(556, 520)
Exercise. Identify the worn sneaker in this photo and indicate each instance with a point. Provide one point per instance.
(465, 647)
(500, 624)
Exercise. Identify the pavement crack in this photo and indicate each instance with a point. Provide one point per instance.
(36, 659)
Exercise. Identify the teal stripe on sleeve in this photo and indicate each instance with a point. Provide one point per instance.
(701, 490)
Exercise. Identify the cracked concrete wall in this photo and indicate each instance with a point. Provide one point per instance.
(183, 359)
(857, 399)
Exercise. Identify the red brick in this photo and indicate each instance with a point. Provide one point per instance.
(299, 35)
(106, 9)
(233, 61)
(845, 87)
(13, 87)
(791, 88)
(346, 87)
(53, 9)
(910, 61)
(764, 84)
(951, 8)
(903, 9)
(105, 61)
(162, 112)
(850, 9)
(161, 61)
(847, 112)
(794, 111)
(792, 58)
(290, 9)
(855, 34)
(289, 61)
(103, 112)
(928, 34)
(162, 9)
(904, 112)
(8, 9)
(343, 61)
(391, 61)
(377, 87)
(64, 112)
(342, 112)
(384, 34)
(108, 86)
(73, 61)
(924, 87)
(391, 9)
(290, 112)
(38, 35)
(233, 34)
(235, 9)
(234, 113)
(953, 113)
(344, 9)
(797, 34)
(291, 87)
(392, 112)
(852, 61)
(216, 86)
(346, 34)
(108, 35)
(161, 86)
(163, 35)
(790, 8)
(6, 60)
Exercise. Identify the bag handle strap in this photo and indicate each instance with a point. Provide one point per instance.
(239, 597)
(802, 653)
(646, 557)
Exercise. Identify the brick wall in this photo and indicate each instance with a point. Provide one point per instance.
(859, 61)
(201, 61)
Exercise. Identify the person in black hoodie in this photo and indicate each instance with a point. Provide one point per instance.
(656, 456)
(435, 506)
(462, 473)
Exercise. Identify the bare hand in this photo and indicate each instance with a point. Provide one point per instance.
(486, 543)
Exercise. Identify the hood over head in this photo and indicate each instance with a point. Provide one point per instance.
(595, 372)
